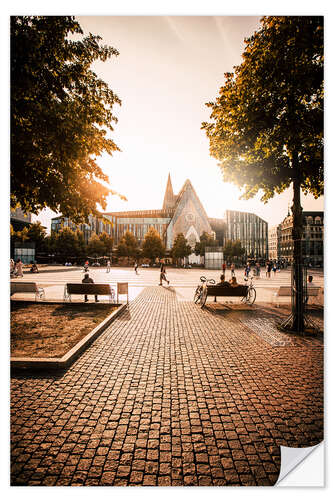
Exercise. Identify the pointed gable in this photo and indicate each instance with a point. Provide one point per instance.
(189, 216)
(169, 197)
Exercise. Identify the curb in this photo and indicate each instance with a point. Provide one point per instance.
(67, 359)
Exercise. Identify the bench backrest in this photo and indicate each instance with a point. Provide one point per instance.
(313, 291)
(16, 287)
(285, 291)
(227, 291)
(88, 288)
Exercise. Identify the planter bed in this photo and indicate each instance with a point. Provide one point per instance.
(52, 335)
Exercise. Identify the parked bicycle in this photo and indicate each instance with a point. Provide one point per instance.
(250, 297)
(199, 290)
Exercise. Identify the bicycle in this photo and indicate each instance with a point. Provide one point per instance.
(250, 297)
(198, 294)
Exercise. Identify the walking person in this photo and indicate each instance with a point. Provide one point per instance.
(19, 268)
(87, 279)
(258, 269)
(136, 267)
(232, 269)
(162, 274)
(108, 266)
(269, 268)
(274, 269)
(223, 268)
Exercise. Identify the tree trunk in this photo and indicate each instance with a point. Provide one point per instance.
(297, 280)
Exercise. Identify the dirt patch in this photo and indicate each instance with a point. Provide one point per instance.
(51, 330)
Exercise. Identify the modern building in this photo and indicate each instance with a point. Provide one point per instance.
(312, 239)
(180, 213)
(273, 242)
(251, 230)
(22, 250)
(95, 225)
(20, 219)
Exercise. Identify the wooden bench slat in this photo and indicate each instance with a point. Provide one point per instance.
(226, 291)
(88, 289)
(24, 287)
(27, 287)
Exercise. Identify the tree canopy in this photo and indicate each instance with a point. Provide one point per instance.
(233, 249)
(61, 117)
(96, 246)
(206, 240)
(128, 245)
(152, 245)
(267, 122)
(180, 247)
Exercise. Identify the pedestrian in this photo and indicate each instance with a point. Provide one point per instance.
(136, 267)
(247, 270)
(34, 268)
(19, 268)
(258, 269)
(223, 268)
(162, 274)
(108, 266)
(232, 269)
(269, 268)
(87, 279)
(309, 284)
(274, 269)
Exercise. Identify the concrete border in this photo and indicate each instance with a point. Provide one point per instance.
(67, 359)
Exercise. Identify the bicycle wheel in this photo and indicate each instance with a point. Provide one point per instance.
(197, 294)
(203, 297)
(251, 296)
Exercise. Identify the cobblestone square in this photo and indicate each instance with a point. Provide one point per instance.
(171, 395)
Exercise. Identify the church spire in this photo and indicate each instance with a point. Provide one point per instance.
(169, 196)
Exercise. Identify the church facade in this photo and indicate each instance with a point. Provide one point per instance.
(180, 213)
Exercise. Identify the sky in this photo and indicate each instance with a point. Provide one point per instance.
(167, 69)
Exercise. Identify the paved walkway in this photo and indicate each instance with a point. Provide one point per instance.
(184, 281)
(171, 394)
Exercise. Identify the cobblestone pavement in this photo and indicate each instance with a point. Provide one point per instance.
(171, 394)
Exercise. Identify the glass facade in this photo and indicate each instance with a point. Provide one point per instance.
(213, 257)
(25, 252)
(251, 230)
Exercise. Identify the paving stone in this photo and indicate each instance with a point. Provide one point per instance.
(171, 394)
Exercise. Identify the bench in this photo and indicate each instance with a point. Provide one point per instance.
(285, 292)
(88, 289)
(222, 291)
(27, 287)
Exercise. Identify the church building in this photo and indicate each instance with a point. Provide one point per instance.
(180, 213)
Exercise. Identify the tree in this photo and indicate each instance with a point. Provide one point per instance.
(238, 250)
(37, 234)
(107, 241)
(153, 247)
(60, 117)
(65, 244)
(228, 250)
(206, 240)
(81, 244)
(128, 246)
(180, 248)
(233, 249)
(267, 122)
(95, 247)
